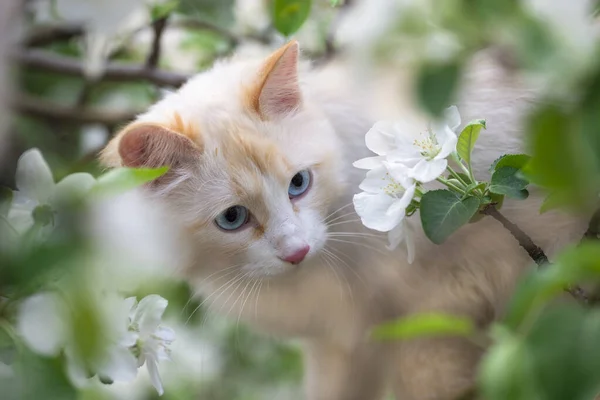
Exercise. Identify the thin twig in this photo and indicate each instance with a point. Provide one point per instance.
(158, 28)
(534, 251)
(114, 72)
(44, 108)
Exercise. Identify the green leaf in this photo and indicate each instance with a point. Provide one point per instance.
(443, 212)
(505, 181)
(553, 201)
(421, 325)
(576, 264)
(467, 139)
(6, 197)
(162, 9)
(435, 86)
(289, 15)
(121, 180)
(563, 158)
(505, 371)
(510, 160)
(563, 344)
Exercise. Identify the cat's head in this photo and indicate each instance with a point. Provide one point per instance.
(255, 164)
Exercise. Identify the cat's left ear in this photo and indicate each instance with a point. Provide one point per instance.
(276, 91)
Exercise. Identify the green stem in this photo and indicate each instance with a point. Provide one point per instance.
(456, 176)
(462, 166)
(450, 185)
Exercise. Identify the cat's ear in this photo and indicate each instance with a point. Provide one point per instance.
(276, 91)
(151, 146)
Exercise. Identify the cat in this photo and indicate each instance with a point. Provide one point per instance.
(261, 181)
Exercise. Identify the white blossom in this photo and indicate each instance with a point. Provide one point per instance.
(37, 190)
(153, 339)
(48, 324)
(424, 155)
(387, 192)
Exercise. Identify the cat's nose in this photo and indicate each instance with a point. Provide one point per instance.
(297, 255)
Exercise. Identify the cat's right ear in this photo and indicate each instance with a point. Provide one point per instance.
(151, 146)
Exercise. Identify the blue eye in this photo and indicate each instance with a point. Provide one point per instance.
(299, 183)
(233, 218)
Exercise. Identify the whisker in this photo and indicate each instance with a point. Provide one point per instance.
(338, 210)
(340, 217)
(344, 222)
(333, 270)
(333, 253)
(234, 279)
(357, 244)
(222, 289)
(221, 274)
(256, 300)
(355, 234)
(245, 301)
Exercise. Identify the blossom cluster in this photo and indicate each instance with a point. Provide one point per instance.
(404, 161)
(82, 316)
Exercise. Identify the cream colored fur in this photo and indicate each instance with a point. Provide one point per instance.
(332, 301)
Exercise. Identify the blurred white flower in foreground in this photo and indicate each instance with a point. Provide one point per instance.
(125, 335)
(37, 193)
(133, 239)
(50, 323)
(153, 340)
(387, 192)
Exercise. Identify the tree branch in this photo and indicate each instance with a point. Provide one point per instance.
(158, 28)
(534, 251)
(44, 108)
(114, 72)
(45, 35)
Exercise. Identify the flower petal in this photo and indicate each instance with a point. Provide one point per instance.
(120, 365)
(448, 140)
(400, 173)
(452, 117)
(426, 171)
(72, 186)
(165, 334)
(20, 219)
(373, 208)
(375, 180)
(369, 162)
(152, 366)
(33, 176)
(402, 233)
(149, 313)
(76, 370)
(380, 138)
(396, 236)
(40, 323)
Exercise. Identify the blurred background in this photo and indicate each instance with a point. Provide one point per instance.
(74, 71)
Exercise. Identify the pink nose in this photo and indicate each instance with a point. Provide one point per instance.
(297, 256)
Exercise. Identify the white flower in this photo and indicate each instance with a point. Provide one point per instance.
(387, 192)
(49, 323)
(153, 340)
(402, 233)
(37, 190)
(424, 155)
